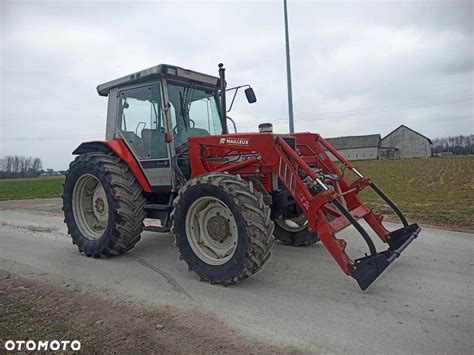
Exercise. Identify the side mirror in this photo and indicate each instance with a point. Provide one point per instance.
(251, 98)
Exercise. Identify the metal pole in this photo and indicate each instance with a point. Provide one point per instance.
(288, 71)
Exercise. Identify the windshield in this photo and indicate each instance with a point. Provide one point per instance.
(193, 112)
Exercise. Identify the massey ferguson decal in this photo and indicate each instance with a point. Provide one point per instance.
(234, 141)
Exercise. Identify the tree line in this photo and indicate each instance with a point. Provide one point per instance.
(15, 166)
(458, 145)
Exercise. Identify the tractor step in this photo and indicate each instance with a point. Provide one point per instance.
(367, 269)
(161, 212)
(157, 207)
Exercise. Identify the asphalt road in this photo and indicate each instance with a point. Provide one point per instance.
(423, 304)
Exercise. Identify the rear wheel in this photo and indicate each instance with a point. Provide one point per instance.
(103, 205)
(222, 227)
(294, 231)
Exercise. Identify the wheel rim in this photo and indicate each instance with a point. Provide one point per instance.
(211, 230)
(90, 207)
(295, 224)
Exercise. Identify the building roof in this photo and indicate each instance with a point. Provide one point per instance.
(367, 141)
(157, 71)
(429, 140)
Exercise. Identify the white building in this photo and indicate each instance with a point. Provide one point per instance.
(357, 147)
(408, 143)
(401, 143)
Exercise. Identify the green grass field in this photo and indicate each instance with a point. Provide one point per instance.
(42, 187)
(437, 191)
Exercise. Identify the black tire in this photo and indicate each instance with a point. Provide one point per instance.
(252, 217)
(126, 205)
(304, 237)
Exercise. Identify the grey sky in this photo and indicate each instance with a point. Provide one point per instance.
(358, 67)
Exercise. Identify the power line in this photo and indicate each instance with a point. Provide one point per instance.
(375, 110)
(418, 103)
(321, 117)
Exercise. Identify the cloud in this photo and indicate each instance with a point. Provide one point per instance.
(358, 67)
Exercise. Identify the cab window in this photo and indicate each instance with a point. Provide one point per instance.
(193, 112)
(141, 121)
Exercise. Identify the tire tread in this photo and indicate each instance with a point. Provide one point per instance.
(255, 212)
(128, 206)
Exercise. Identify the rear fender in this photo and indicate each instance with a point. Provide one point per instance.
(118, 147)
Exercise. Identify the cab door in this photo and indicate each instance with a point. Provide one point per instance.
(141, 125)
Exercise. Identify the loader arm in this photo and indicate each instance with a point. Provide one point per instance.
(350, 207)
(335, 196)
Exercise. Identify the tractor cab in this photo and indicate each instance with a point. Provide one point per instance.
(156, 110)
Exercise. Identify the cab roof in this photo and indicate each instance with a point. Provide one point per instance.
(161, 70)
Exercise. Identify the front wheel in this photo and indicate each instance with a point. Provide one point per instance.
(294, 231)
(222, 227)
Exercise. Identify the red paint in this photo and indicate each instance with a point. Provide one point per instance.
(122, 151)
(264, 154)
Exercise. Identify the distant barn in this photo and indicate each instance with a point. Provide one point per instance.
(401, 143)
(357, 147)
(408, 143)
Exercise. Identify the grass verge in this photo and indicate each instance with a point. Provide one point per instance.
(435, 191)
(41, 187)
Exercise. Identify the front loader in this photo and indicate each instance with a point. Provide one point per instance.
(168, 155)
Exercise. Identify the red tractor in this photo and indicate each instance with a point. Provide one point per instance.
(168, 155)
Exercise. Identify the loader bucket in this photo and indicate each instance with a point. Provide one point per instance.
(368, 268)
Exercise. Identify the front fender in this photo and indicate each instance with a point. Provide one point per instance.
(118, 147)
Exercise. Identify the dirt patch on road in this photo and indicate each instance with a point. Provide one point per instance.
(30, 310)
(40, 206)
(30, 228)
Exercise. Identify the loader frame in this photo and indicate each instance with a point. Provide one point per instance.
(336, 204)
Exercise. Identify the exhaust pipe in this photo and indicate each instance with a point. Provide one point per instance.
(222, 102)
(265, 128)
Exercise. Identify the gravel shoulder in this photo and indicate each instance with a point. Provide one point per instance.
(35, 310)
